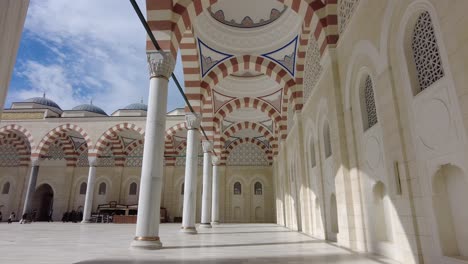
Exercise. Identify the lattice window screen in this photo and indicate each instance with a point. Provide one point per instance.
(426, 52)
(247, 154)
(313, 68)
(83, 159)
(8, 156)
(345, 11)
(107, 158)
(135, 158)
(55, 152)
(369, 101)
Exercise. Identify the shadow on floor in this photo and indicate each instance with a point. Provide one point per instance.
(246, 232)
(246, 245)
(317, 258)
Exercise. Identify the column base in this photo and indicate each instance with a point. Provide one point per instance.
(214, 223)
(188, 230)
(205, 225)
(150, 243)
(86, 222)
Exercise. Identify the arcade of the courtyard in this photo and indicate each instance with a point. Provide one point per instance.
(344, 120)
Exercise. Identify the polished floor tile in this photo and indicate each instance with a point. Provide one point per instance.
(50, 243)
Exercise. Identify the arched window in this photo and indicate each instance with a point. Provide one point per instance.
(133, 189)
(102, 188)
(182, 189)
(313, 161)
(369, 112)
(327, 140)
(237, 188)
(258, 188)
(83, 188)
(426, 54)
(6, 188)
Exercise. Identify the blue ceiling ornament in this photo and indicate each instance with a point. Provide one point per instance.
(210, 57)
(285, 56)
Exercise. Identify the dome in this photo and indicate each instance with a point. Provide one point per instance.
(89, 108)
(137, 106)
(42, 101)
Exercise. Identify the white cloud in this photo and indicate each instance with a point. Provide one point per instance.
(99, 49)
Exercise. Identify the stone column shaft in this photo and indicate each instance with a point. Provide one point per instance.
(206, 197)
(191, 169)
(161, 65)
(215, 193)
(88, 207)
(31, 186)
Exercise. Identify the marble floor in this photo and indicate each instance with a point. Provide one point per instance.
(50, 243)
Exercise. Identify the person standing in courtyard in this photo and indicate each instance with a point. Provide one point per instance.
(11, 218)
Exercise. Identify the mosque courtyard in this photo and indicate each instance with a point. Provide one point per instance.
(58, 242)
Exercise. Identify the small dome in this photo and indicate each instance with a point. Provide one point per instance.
(90, 108)
(137, 106)
(42, 101)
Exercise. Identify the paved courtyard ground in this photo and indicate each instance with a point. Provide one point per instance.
(50, 243)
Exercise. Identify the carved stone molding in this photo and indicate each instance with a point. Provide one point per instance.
(92, 161)
(35, 162)
(215, 160)
(160, 64)
(207, 146)
(193, 121)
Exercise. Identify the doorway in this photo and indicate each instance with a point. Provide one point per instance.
(43, 201)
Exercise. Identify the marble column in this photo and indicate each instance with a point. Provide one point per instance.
(12, 16)
(215, 192)
(191, 171)
(88, 206)
(31, 185)
(206, 196)
(161, 65)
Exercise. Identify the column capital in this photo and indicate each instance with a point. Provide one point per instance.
(35, 161)
(92, 160)
(160, 64)
(193, 121)
(207, 146)
(215, 160)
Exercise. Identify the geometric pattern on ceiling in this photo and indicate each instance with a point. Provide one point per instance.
(127, 141)
(268, 124)
(220, 100)
(274, 99)
(210, 57)
(247, 21)
(77, 141)
(177, 140)
(285, 56)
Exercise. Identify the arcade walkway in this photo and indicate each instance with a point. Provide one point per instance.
(109, 243)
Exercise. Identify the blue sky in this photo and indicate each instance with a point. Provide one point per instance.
(75, 51)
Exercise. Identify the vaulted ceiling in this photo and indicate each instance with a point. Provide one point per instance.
(243, 61)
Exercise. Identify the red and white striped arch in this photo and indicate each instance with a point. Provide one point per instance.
(247, 125)
(111, 138)
(247, 102)
(111, 133)
(248, 63)
(169, 21)
(21, 146)
(21, 139)
(59, 133)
